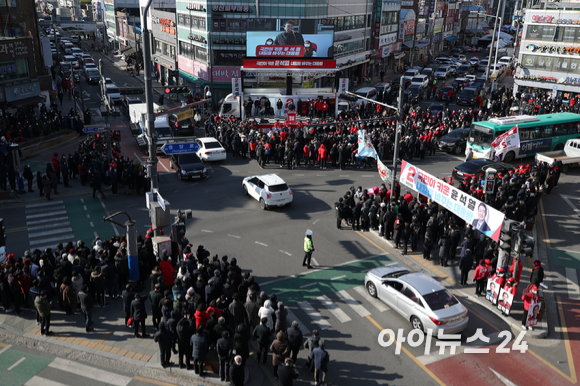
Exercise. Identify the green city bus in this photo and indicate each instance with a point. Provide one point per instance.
(538, 133)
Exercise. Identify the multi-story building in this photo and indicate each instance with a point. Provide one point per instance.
(164, 30)
(120, 18)
(549, 56)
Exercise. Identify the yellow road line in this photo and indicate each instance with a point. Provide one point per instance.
(152, 381)
(14, 230)
(572, 377)
(417, 361)
(3, 345)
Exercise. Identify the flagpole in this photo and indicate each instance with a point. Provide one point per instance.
(397, 135)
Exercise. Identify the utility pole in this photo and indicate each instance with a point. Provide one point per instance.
(492, 43)
(414, 40)
(106, 111)
(397, 136)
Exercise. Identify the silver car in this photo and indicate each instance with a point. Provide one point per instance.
(418, 298)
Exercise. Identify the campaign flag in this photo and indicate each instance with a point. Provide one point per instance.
(507, 141)
(481, 216)
(365, 146)
(384, 171)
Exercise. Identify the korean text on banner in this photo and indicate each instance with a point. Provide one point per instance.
(236, 87)
(473, 211)
(365, 146)
(342, 85)
(507, 141)
(384, 171)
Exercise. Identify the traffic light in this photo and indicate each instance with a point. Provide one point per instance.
(131, 90)
(2, 233)
(348, 97)
(525, 245)
(177, 90)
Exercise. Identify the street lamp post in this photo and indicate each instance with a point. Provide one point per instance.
(492, 41)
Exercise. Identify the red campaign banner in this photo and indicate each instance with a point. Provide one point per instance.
(292, 116)
(280, 51)
(289, 63)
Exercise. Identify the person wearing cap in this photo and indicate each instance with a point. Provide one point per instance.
(529, 298)
(287, 374)
(288, 37)
(537, 275)
(320, 358)
(308, 249)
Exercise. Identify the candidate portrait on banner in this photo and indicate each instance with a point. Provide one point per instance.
(533, 314)
(480, 223)
(505, 301)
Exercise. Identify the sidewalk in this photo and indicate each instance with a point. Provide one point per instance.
(451, 275)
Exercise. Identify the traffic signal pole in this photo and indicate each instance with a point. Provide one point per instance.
(150, 122)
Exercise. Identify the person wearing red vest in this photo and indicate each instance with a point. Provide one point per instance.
(408, 197)
(519, 272)
(529, 298)
(511, 288)
(306, 152)
(322, 155)
(480, 275)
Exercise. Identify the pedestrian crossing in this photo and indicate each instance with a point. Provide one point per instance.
(48, 224)
(340, 307)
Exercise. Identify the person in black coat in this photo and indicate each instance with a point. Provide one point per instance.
(339, 208)
(262, 335)
(128, 297)
(465, 265)
(444, 244)
(427, 244)
(237, 376)
(241, 340)
(537, 275)
(455, 239)
(199, 350)
(185, 328)
(166, 341)
(225, 349)
(295, 338)
(139, 314)
(287, 373)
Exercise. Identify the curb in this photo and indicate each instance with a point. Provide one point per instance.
(539, 332)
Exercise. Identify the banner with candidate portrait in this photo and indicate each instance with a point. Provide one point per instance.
(505, 301)
(533, 314)
(492, 290)
(482, 217)
(290, 38)
(507, 141)
(365, 145)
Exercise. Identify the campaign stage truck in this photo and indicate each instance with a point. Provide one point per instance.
(570, 156)
(138, 117)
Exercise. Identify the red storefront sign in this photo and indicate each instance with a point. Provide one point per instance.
(289, 63)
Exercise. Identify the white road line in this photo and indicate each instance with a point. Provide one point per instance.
(96, 234)
(5, 349)
(570, 203)
(48, 233)
(572, 283)
(291, 317)
(320, 175)
(137, 158)
(38, 381)
(17, 363)
(344, 175)
(50, 220)
(164, 167)
(206, 231)
(314, 315)
(85, 207)
(332, 307)
(279, 293)
(379, 305)
(54, 240)
(299, 175)
(353, 303)
(367, 176)
(92, 225)
(82, 200)
(48, 214)
(338, 277)
(259, 243)
(44, 204)
(235, 237)
(308, 285)
(314, 223)
(89, 372)
(50, 226)
(315, 262)
(286, 253)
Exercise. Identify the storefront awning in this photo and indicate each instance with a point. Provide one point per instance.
(398, 55)
(501, 43)
(451, 39)
(128, 51)
(418, 44)
(28, 101)
(476, 31)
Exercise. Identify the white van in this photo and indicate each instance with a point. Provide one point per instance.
(366, 92)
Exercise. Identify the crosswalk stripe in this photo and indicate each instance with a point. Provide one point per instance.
(332, 307)
(353, 303)
(314, 315)
(379, 305)
(291, 317)
(38, 381)
(44, 204)
(49, 226)
(30, 216)
(48, 233)
(48, 220)
(89, 372)
(42, 248)
(45, 209)
(65, 237)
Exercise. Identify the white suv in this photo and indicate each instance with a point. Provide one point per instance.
(269, 190)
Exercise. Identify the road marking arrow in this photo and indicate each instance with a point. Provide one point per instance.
(567, 199)
(505, 381)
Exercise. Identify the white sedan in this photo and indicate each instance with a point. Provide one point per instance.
(210, 149)
(269, 190)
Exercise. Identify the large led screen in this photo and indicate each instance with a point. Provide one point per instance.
(290, 38)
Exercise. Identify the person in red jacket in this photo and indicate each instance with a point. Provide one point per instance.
(519, 272)
(166, 270)
(200, 316)
(306, 152)
(322, 155)
(529, 298)
(408, 197)
(480, 275)
(511, 288)
(56, 166)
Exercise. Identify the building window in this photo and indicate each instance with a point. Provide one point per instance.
(390, 18)
(14, 69)
(186, 49)
(11, 3)
(344, 23)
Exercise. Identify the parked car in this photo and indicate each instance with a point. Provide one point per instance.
(420, 80)
(414, 94)
(77, 52)
(436, 108)
(442, 72)
(382, 89)
(188, 166)
(443, 92)
(477, 167)
(269, 190)
(410, 74)
(210, 149)
(464, 70)
(429, 72)
(507, 60)
(453, 69)
(93, 76)
(366, 92)
(460, 57)
(460, 82)
(467, 96)
(90, 66)
(418, 298)
(455, 141)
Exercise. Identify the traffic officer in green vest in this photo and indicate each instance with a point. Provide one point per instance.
(308, 249)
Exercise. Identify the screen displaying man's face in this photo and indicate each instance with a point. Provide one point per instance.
(481, 212)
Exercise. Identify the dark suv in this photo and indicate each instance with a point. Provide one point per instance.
(467, 96)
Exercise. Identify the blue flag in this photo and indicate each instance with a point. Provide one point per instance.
(365, 146)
